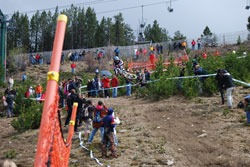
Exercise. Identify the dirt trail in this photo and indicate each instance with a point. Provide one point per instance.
(151, 133)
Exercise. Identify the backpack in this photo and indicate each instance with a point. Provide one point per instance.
(85, 112)
(97, 118)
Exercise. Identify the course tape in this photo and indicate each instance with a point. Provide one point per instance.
(244, 83)
(91, 152)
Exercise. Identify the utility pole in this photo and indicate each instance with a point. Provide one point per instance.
(3, 39)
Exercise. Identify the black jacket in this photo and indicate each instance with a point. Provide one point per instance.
(91, 110)
(227, 81)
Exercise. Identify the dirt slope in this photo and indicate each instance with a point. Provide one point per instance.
(151, 133)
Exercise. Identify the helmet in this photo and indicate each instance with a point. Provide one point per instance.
(116, 58)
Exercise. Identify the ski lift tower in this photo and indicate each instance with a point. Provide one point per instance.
(3, 40)
(141, 37)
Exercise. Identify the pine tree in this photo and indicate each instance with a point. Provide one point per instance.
(207, 31)
(155, 33)
(178, 36)
(91, 26)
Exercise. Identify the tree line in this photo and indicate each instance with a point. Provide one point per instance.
(83, 30)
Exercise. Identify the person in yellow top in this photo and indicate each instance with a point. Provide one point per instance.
(39, 91)
(151, 48)
(184, 44)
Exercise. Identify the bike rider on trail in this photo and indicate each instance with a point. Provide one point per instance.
(118, 65)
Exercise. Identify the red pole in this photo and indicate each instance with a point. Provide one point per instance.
(48, 121)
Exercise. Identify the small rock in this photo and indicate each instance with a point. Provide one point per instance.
(170, 162)
(204, 131)
(168, 118)
(179, 149)
(10, 142)
(158, 127)
(124, 130)
(202, 135)
(192, 125)
(74, 161)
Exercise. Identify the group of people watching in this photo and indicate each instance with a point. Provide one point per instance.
(100, 116)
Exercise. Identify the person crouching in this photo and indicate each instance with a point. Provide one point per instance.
(109, 125)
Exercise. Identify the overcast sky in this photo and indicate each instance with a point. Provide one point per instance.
(189, 16)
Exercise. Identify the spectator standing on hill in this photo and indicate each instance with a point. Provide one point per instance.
(108, 125)
(161, 49)
(10, 102)
(89, 87)
(24, 77)
(61, 95)
(105, 82)
(62, 58)
(31, 91)
(81, 102)
(193, 44)
(7, 91)
(37, 58)
(247, 108)
(200, 71)
(70, 101)
(72, 85)
(151, 48)
(128, 87)
(39, 90)
(114, 84)
(184, 44)
(147, 75)
(99, 113)
(73, 66)
(87, 117)
(220, 85)
(199, 43)
(144, 52)
(11, 82)
(229, 86)
(117, 51)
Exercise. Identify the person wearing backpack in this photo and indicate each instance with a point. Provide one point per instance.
(99, 114)
(87, 117)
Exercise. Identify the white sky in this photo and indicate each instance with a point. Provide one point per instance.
(189, 16)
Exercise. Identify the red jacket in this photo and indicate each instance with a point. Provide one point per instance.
(73, 65)
(105, 82)
(193, 43)
(114, 82)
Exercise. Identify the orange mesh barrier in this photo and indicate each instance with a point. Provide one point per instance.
(51, 149)
(150, 64)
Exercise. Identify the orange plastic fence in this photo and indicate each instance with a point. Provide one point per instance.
(51, 149)
(150, 64)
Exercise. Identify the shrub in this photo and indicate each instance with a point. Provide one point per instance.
(29, 118)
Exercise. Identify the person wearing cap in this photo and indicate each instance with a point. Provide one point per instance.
(108, 124)
(247, 108)
(229, 86)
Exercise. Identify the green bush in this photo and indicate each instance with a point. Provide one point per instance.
(29, 118)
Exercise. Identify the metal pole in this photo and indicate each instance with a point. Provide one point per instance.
(5, 57)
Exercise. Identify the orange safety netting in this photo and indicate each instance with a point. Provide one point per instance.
(52, 151)
(150, 64)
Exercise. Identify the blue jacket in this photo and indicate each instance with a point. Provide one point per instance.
(108, 122)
